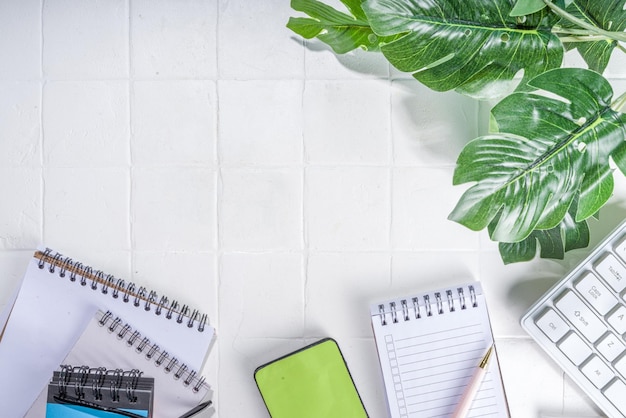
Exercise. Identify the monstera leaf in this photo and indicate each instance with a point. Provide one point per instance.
(473, 46)
(608, 15)
(549, 151)
(526, 7)
(339, 30)
(553, 243)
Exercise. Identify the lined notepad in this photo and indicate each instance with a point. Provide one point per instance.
(429, 346)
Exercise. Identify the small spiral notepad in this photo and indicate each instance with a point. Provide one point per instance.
(429, 345)
(58, 298)
(80, 392)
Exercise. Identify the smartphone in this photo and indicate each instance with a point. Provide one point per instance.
(311, 382)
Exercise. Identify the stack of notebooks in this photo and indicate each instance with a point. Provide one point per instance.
(75, 339)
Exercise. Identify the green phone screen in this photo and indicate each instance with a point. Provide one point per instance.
(311, 382)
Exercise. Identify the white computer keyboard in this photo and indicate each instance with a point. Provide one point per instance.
(581, 323)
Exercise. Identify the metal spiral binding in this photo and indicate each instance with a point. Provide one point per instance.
(154, 353)
(116, 382)
(431, 305)
(450, 300)
(79, 379)
(98, 383)
(108, 284)
(439, 303)
(64, 379)
(429, 309)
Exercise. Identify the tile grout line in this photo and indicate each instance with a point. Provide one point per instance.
(217, 193)
(41, 126)
(391, 160)
(130, 140)
(231, 79)
(303, 212)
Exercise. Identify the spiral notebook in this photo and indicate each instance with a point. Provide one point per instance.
(429, 345)
(111, 343)
(58, 298)
(81, 392)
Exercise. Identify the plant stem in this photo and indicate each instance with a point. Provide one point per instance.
(569, 31)
(619, 103)
(587, 38)
(618, 36)
(582, 35)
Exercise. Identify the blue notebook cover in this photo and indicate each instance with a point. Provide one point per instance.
(74, 411)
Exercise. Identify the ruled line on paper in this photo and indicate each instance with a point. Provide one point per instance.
(451, 346)
(426, 335)
(478, 350)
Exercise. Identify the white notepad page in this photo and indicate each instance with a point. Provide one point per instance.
(429, 346)
(49, 315)
(175, 391)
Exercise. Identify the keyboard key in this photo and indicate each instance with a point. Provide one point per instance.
(620, 248)
(597, 294)
(576, 312)
(613, 272)
(552, 325)
(616, 393)
(617, 320)
(620, 366)
(599, 373)
(610, 346)
(575, 349)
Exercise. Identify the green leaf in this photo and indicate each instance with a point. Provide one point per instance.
(340, 31)
(549, 241)
(619, 157)
(356, 8)
(608, 15)
(549, 151)
(566, 236)
(575, 234)
(518, 251)
(527, 7)
(473, 46)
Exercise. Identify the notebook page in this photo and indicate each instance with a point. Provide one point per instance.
(49, 315)
(427, 361)
(5, 314)
(98, 346)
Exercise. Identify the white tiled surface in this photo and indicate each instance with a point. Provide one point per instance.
(201, 148)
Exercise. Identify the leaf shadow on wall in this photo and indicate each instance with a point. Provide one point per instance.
(362, 63)
(428, 127)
